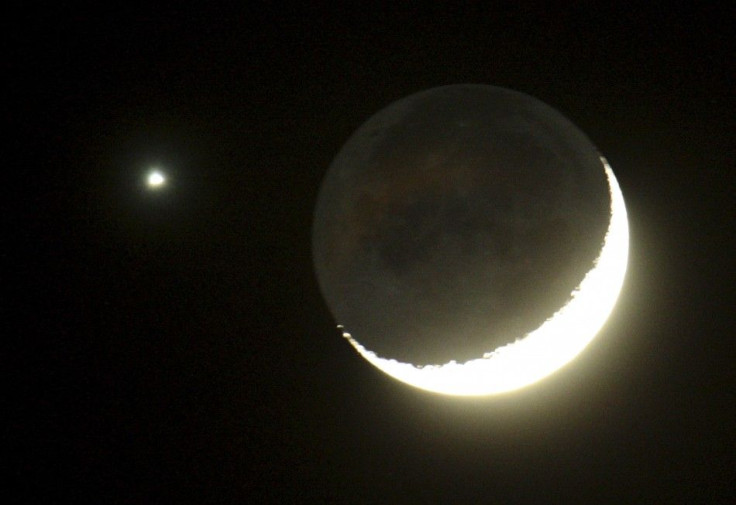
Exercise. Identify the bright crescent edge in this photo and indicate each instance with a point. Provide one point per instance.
(543, 351)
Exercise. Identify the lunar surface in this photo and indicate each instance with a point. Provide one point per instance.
(458, 222)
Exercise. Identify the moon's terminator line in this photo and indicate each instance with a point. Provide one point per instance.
(542, 351)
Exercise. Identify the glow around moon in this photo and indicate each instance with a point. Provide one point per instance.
(543, 351)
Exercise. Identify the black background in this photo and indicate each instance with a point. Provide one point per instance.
(173, 347)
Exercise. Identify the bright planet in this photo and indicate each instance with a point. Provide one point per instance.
(469, 240)
(155, 179)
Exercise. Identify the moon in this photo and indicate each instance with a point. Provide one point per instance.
(469, 240)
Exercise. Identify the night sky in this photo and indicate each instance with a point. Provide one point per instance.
(173, 346)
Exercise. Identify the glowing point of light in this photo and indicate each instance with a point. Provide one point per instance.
(155, 179)
(543, 351)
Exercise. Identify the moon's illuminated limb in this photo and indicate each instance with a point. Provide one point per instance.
(155, 179)
(546, 349)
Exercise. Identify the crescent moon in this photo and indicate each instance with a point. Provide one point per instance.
(543, 351)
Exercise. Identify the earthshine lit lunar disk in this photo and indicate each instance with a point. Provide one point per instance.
(544, 350)
(469, 240)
